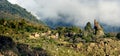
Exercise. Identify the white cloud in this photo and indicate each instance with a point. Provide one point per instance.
(13, 1)
(78, 11)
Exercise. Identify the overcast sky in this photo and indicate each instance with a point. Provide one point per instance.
(77, 11)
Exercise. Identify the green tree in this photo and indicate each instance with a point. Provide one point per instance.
(88, 27)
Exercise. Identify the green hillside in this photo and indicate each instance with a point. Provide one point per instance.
(21, 34)
(11, 11)
(24, 38)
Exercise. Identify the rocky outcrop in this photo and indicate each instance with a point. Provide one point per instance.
(10, 48)
(98, 29)
(34, 35)
(7, 46)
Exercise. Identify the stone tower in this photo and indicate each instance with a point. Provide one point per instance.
(98, 29)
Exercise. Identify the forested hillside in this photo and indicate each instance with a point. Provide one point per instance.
(11, 11)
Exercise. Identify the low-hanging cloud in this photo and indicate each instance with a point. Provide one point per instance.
(77, 12)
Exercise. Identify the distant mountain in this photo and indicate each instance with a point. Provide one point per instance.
(59, 23)
(12, 11)
(108, 28)
(63, 22)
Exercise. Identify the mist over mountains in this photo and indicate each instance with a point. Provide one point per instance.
(74, 12)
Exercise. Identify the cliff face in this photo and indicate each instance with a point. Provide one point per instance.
(98, 29)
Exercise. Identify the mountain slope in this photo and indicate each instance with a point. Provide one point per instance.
(109, 28)
(7, 8)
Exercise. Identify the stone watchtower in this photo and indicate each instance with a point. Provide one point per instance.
(98, 29)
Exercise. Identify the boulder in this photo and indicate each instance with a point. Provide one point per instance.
(34, 35)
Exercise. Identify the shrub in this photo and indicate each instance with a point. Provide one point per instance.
(118, 35)
(110, 34)
(87, 39)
